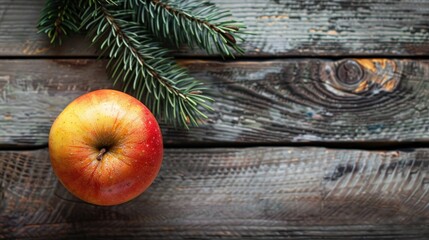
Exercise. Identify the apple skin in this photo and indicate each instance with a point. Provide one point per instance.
(127, 131)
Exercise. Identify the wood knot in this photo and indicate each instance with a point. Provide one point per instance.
(349, 72)
(355, 76)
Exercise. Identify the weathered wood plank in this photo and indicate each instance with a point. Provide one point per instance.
(34, 92)
(258, 193)
(284, 101)
(283, 27)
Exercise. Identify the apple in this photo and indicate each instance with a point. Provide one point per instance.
(106, 147)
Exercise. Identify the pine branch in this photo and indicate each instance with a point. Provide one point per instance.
(129, 33)
(138, 60)
(59, 18)
(192, 22)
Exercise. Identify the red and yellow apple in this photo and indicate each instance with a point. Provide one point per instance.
(106, 147)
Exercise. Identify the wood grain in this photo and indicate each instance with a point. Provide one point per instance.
(35, 92)
(282, 27)
(269, 102)
(257, 193)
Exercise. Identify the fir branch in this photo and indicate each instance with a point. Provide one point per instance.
(129, 31)
(192, 22)
(137, 59)
(59, 18)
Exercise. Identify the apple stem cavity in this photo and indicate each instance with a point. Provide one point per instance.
(101, 153)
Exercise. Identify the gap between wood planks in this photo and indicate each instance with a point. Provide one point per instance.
(369, 146)
(237, 58)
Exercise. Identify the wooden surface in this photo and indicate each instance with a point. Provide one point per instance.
(341, 74)
(281, 101)
(257, 193)
(282, 27)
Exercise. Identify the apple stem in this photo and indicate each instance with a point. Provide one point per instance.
(100, 155)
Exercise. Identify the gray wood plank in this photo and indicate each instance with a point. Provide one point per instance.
(283, 27)
(34, 92)
(228, 193)
(281, 102)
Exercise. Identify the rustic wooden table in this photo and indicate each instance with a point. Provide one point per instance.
(320, 130)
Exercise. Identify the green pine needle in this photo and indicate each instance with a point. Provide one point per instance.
(58, 19)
